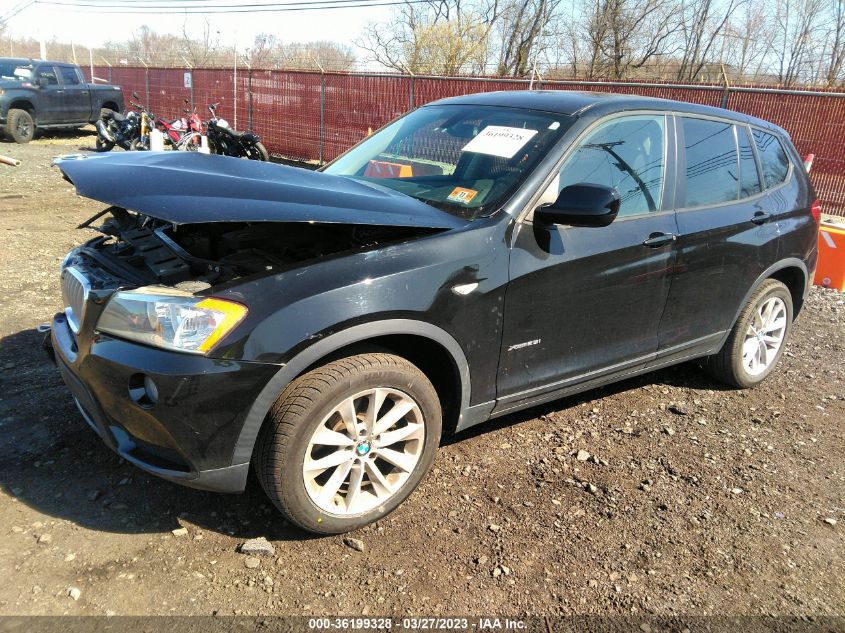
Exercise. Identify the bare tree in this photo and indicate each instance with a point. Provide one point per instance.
(836, 45)
(523, 27)
(796, 25)
(626, 35)
(315, 55)
(263, 50)
(702, 25)
(442, 37)
(748, 40)
(200, 51)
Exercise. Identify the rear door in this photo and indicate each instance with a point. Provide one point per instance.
(727, 233)
(583, 301)
(77, 98)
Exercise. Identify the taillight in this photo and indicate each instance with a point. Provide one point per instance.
(816, 211)
(808, 162)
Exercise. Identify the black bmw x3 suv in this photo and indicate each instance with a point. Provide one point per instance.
(480, 255)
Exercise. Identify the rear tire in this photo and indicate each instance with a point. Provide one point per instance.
(757, 339)
(258, 152)
(20, 127)
(307, 424)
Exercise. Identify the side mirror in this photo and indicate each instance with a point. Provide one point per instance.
(581, 205)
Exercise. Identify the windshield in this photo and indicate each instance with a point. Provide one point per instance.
(462, 159)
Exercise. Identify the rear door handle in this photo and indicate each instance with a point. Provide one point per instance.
(761, 217)
(656, 240)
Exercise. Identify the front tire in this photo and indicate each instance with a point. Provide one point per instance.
(757, 339)
(102, 145)
(20, 126)
(348, 442)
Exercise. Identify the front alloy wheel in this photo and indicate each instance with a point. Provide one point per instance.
(364, 451)
(349, 441)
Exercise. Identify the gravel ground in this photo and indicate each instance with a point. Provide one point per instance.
(694, 499)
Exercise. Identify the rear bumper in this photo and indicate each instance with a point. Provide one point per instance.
(188, 434)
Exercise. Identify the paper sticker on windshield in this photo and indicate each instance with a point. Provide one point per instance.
(497, 140)
(459, 194)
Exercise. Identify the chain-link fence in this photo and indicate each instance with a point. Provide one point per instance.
(316, 116)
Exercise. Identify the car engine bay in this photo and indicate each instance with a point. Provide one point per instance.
(143, 250)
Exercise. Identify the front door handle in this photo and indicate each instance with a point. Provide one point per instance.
(761, 217)
(656, 240)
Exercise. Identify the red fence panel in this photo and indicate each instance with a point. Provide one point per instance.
(355, 106)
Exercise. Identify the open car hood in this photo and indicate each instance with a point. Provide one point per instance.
(191, 188)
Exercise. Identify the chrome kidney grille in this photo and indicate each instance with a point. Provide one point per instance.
(75, 294)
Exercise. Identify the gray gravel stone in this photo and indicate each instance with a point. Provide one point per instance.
(354, 543)
(257, 547)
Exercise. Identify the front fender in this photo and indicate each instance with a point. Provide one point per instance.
(15, 97)
(322, 348)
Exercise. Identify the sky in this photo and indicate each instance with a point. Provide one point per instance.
(342, 25)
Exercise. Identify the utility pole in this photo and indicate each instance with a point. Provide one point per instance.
(235, 82)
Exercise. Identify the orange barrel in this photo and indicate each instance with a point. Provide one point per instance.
(830, 270)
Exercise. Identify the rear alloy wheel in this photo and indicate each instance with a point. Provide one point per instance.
(347, 442)
(19, 126)
(756, 342)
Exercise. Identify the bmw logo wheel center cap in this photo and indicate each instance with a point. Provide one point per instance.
(363, 448)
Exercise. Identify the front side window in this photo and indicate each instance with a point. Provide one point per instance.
(48, 73)
(69, 76)
(712, 164)
(773, 158)
(627, 153)
(465, 160)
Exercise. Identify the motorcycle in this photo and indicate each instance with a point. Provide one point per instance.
(224, 140)
(183, 133)
(119, 130)
(128, 131)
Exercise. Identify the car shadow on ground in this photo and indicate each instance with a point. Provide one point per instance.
(51, 461)
(688, 375)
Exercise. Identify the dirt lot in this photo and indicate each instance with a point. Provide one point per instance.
(704, 501)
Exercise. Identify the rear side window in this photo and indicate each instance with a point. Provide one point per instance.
(712, 165)
(773, 158)
(749, 179)
(69, 76)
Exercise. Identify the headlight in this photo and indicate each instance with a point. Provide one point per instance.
(170, 319)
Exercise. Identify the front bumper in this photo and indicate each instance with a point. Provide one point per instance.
(189, 433)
